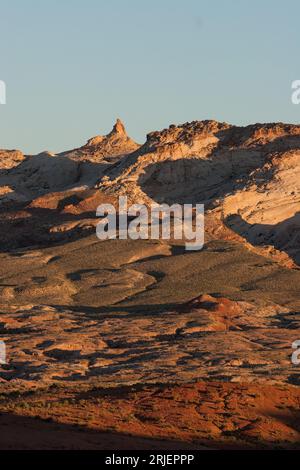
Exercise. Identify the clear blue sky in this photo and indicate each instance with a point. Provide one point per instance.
(73, 66)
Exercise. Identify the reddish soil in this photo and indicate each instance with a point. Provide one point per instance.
(201, 415)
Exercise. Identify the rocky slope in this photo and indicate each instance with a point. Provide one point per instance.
(247, 177)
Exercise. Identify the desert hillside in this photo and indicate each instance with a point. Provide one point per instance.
(248, 178)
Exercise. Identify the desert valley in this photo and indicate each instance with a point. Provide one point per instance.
(139, 343)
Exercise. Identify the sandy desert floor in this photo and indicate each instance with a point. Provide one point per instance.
(148, 346)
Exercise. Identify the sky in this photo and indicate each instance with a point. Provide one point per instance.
(71, 67)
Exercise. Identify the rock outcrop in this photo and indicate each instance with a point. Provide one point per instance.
(10, 159)
(33, 176)
(247, 177)
(110, 147)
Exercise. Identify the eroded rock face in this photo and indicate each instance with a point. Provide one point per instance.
(248, 177)
(10, 159)
(24, 179)
(210, 158)
(266, 210)
(110, 147)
